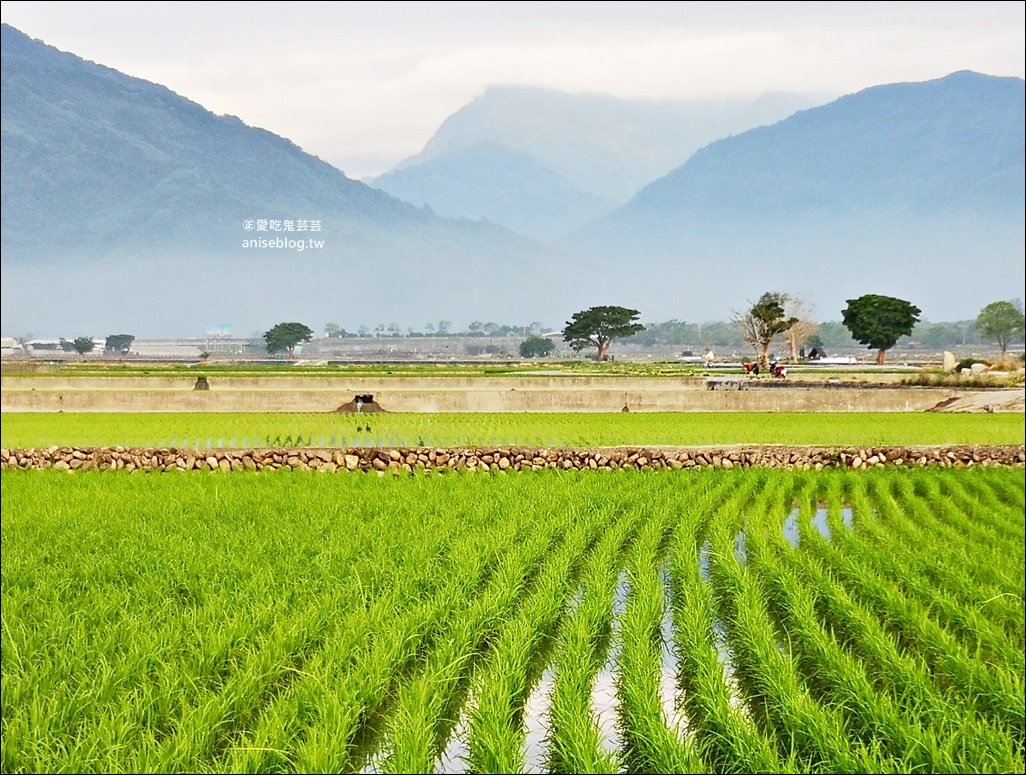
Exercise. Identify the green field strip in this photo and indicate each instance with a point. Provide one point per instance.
(649, 744)
(726, 737)
(329, 429)
(814, 734)
(994, 693)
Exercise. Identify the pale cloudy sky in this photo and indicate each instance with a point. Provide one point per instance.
(365, 84)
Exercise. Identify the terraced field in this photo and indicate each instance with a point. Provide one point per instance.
(713, 621)
(327, 430)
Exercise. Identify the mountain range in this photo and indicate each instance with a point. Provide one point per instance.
(125, 207)
(545, 163)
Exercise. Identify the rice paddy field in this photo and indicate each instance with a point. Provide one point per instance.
(248, 430)
(714, 621)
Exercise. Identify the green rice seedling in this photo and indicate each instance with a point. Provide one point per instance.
(575, 739)
(901, 674)
(993, 692)
(915, 506)
(970, 627)
(724, 733)
(497, 725)
(421, 721)
(916, 573)
(815, 733)
(838, 678)
(649, 744)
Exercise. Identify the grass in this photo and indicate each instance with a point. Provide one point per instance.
(241, 430)
(304, 623)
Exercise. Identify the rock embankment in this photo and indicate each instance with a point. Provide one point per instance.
(504, 459)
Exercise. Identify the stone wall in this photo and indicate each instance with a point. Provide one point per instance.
(505, 459)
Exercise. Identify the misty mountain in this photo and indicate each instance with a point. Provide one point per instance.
(910, 189)
(516, 153)
(125, 207)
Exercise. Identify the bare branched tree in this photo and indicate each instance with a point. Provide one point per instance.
(802, 332)
(763, 322)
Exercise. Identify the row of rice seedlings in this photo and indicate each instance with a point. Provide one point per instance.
(497, 726)
(964, 623)
(727, 739)
(922, 573)
(943, 534)
(951, 520)
(948, 566)
(576, 741)
(815, 734)
(994, 693)
(423, 716)
(650, 744)
(994, 498)
(356, 702)
(945, 525)
(313, 726)
(838, 678)
(902, 675)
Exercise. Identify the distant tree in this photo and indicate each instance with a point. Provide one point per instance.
(444, 326)
(536, 347)
(599, 326)
(83, 345)
(879, 321)
(1001, 322)
(477, 327)
(762, 323)
(284, 337)
(66, 345)
(334, 330)
(118, 343)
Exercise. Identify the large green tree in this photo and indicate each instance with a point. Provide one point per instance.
(1001, 322)
(536, 347)
(879, 321)
(284, 337)
(118, 343)
(83, 344)
(598, 326)
(765, 320)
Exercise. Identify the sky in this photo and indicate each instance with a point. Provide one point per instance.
(364, 85)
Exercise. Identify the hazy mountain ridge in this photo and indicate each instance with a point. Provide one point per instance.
(951, 144)
(123, 210)
(124, 204)
(912, 189)
(592, 152)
